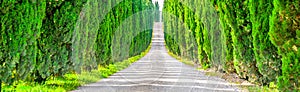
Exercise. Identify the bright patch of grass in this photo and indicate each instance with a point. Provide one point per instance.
(72, 80)
(187, 62)
(261, 89)
(31, 87)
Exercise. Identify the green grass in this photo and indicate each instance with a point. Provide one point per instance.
(185, 61)
(261, 89)
(71, 81)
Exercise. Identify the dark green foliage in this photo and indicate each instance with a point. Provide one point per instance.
(178, 28)
(285, 35)
(40, 39)
(228, 64)
(267, 59)
(19, 31)
(170, 28)
(139, 41)
(258, 40)
(244, 61)
(56, 38)
(137, 26)
(196, 31)
(203, 55)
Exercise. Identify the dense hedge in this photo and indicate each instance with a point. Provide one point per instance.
(179, 41)
(238, 17)
(267, 59)
(46, 38)
(21, 31)
(258, 40)
(285, 35)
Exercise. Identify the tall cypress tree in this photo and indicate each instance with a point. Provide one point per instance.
(268, 61)
(285, 35)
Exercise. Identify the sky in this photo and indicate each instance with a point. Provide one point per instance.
(160, 2)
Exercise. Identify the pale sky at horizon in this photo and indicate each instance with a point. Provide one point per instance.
(160, 2)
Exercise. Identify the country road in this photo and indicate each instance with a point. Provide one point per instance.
(159, 72)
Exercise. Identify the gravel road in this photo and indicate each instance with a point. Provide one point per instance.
(159, 72)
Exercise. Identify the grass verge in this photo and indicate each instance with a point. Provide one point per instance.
(71, 81)
(185, 61)
(260, 89)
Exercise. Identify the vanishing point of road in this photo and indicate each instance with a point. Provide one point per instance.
(159, 72)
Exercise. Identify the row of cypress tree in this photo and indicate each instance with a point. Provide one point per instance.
(157, 12)
(46, 38)
(258, 40)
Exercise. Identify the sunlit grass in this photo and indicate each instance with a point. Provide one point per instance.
(185, 61)
(71, 81)
(261, 89)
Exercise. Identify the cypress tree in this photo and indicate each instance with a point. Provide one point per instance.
(260, 38)
(37, 35)
(268, 61)
(228, 65)
(285, 35)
